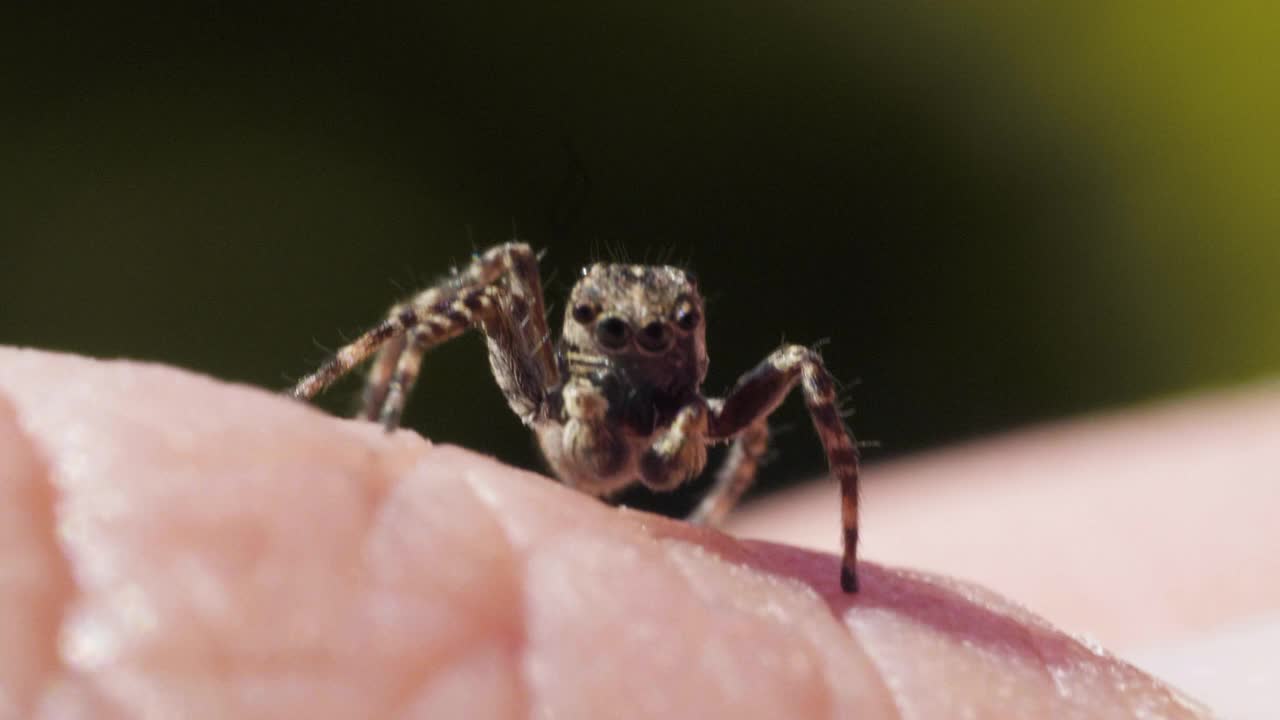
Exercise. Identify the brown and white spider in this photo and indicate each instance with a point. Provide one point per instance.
(618, 399)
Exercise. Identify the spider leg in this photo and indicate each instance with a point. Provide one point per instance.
(350, 356)
(521, 353)
(761, 390)
(679, 453)
(379, 380)
(734, 476)
(400, 382)
(441, 313)
(474, 296)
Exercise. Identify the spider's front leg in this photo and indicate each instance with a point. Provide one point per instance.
(760, 391)
(499, 292)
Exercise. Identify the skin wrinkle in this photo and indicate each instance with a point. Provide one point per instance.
(429, 670)
(1079, 654)
(65, 691)
(675, 555)
(548, 533)
(1037, 633)
(802, 568)
(520, 646)
(665, 628)
(1041, 660)
(745, 554)
(982, 624)
(638, 530)
(413, 682)
(877, 671)
(368, 464)
(956, 609)
(40, 520)
(374, 474)
(1034, 649)
(381, 476)
(75, 697)
(455, 686)
(918, 596)
(1042, 664)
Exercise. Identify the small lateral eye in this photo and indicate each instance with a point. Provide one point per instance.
(584, 313)
(687, 318)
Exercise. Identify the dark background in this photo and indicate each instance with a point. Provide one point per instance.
(998, 214)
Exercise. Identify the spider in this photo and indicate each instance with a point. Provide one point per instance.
(618, 399)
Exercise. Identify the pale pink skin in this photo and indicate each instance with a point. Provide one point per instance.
(174, 546)
(1139, 527)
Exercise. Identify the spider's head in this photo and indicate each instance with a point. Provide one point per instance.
(646, 319)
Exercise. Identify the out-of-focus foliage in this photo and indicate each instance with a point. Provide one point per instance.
(998, 212)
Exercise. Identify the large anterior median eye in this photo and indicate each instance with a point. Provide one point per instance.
(655, 337)
(584, 313)
(613, 333)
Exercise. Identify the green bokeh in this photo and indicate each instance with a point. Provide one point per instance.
(999, 213)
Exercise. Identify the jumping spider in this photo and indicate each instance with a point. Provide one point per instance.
(617, 400)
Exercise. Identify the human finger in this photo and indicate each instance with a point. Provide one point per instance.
(198, 549)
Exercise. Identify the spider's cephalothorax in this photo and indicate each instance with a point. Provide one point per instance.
(633, 348)
(617, 400)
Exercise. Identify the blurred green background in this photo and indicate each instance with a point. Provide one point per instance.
(999, 213)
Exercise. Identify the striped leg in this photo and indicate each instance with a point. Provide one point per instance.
(734, 477)
(351, 355)
(842, 459)
(436, 315)
(521, 352)
(379, 380)
(762, 389)
(400, 382)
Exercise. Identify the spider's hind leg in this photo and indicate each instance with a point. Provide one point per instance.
(734, 477)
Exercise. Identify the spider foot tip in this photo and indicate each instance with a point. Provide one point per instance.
(848, 579)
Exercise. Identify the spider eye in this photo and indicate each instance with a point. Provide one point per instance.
(655, 337)
(687, 318)
(584, 313)
(613, 333)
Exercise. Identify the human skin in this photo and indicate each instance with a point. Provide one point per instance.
(1138, 527)
(175, 546)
